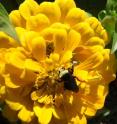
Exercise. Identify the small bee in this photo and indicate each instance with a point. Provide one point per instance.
(69, 80)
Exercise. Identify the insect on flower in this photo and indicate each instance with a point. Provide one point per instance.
(69, 80)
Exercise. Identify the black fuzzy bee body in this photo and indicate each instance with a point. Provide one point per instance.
(69, 81)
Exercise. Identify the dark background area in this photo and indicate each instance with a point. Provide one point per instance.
(94, 7)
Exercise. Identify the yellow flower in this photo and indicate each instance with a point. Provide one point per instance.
(59, 73)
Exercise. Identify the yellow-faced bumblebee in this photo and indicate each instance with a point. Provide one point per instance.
(69, 80)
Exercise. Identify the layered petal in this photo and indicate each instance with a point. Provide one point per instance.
(16, 19)
(28, 8)
(38, 48)
(60, 39)
(37, 22)
(75, 15)
(51, 10)
(43, 113)
(25, 115)
(65, 6)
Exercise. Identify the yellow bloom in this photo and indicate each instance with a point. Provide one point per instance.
(56, 38)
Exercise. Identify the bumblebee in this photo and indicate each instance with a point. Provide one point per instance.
(69, 80)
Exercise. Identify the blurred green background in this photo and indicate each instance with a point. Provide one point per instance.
(107, 115)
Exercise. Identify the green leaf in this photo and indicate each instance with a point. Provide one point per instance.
(111, 4)
(116, 26)
(5, 24)
(3, 12)
(102, 14)
(114, 43)
(109, 24)
(116, 54)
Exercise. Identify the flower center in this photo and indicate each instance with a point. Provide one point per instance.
(50, 86)
(47, 87)
(49, 81)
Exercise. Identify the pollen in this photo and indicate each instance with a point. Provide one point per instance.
(50, 85)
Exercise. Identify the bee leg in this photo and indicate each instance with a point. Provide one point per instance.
(76, 78)
(70, 70)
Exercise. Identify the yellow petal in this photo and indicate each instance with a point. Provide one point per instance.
(37, 22)
(95, 24)
(48, 34)
(104, 35)
(101, 90)
(38, 48)
(15, 70)
(72, 109)
(90, 111)
(81, 53)
(16, 19)
(65, 6)
(73, 40)
(51, 10)
(14, 99)
(49, 64)
(94, 77)
(85, 30)
(2, 93)
(59, 25)
(11, 83)
(42, 99)
(14, 105)
(33, 66)
(25, 115)
(44, 113)
(6, 41)
(78, 120)
(91, 62)
(28, 8)
(34, 121)
(2, 60)
(95, 101)
(60, 38)
(66, 57)
(15, 57)
(39, 95)
(20, 32)
(97, 27)
(81, 74)
(26, 37)
(109, 67)
(95, 41)
(75, 15)
(54, 57)
(34, 95)
(18, 77)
